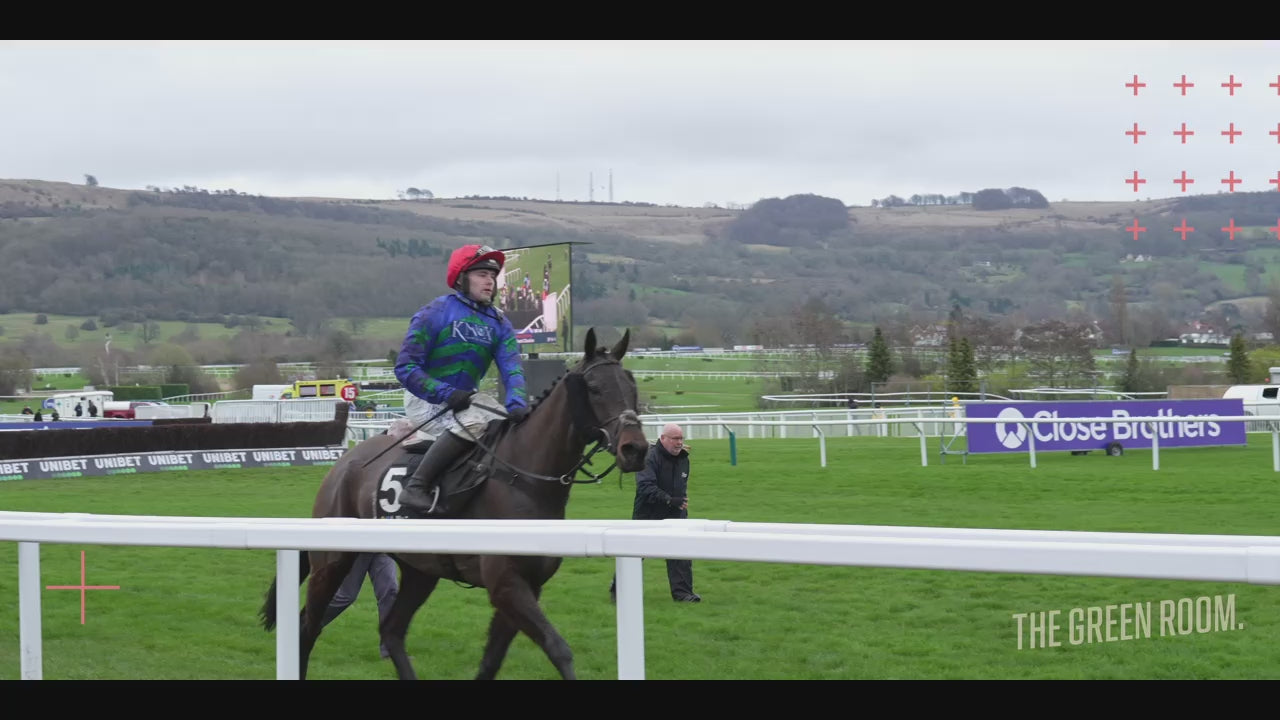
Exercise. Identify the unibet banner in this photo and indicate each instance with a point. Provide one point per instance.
(1197, 429)
(130, 463)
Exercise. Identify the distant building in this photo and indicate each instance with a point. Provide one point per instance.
(1198, 332)
(929, 336)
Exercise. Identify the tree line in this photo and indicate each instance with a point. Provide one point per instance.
(985, 199)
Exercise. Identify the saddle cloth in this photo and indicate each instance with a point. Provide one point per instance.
(457, 486)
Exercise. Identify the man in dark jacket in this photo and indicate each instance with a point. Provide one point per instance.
(662, 491)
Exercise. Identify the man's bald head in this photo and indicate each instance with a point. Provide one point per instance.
(672, 438)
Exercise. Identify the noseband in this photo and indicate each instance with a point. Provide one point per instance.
(624, 420)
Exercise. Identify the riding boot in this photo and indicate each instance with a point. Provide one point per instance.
(423, 493)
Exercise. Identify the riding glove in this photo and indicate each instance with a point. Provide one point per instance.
(459, 400)
(518, 415)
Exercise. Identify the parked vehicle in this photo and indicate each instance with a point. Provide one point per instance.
(272, 392)
(124, 410)
(65, 403)
(1258, 399)
(339, 389)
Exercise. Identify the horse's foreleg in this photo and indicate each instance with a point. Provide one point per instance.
(415, 588)
(514, 597)
(501, 632)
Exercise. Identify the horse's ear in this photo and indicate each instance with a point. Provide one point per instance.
(591, 344)
(621, 348)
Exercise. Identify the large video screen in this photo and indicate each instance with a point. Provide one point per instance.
(533, 290)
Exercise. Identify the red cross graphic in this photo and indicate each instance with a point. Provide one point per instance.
(1231, 181)
(1135, 132)
(1135, 180)
(1184, 229)
(1184, 85)
(1275, 229)
(1135, 85)
(1184, 132)
(1276, 132)
(1230, 85)
(1135, 228)
(82, 587)
(1276, 181)
(1184, 181)
(1231, 132)
(1232, 229)
(1275, 84)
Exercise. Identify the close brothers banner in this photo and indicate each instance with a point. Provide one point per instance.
(129, 463)
(1197, 429)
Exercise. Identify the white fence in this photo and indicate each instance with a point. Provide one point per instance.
(901, 422)
(800, 423)
(202, 397)
(269, 411)
(1216, 558)
(816, 427)
(727, 375)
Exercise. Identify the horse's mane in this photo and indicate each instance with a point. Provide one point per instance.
(581, 365)
(543, 395)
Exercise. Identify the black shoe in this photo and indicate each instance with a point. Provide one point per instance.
(419, 500)
(691, 597)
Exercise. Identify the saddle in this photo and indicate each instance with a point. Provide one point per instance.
(458, 485)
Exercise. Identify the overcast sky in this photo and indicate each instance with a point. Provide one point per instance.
(672, 122)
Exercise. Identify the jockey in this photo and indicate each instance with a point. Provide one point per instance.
(449, 346)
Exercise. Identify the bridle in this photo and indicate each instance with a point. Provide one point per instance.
(604, 440)
(624, 419)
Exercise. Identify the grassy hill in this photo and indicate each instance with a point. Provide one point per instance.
(304, 265)
(648, 222)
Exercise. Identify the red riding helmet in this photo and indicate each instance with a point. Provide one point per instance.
(473, 257)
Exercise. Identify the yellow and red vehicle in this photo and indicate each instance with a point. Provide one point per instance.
(340, 389)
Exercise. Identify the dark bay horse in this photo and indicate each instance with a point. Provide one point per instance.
(530, 472)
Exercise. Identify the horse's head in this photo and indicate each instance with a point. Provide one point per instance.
(605, 393)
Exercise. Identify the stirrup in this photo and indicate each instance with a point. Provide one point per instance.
(435, 499)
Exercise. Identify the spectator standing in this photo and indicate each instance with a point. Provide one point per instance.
(662, 491)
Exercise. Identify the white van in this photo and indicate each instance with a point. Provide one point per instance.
(271, 392)
(65, 403)
(1258, 399)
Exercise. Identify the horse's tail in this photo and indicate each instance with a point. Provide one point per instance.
(268, 611)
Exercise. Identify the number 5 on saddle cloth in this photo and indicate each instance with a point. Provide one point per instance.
(457, 485)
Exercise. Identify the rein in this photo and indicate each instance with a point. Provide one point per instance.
(565, 479)
(603, 442)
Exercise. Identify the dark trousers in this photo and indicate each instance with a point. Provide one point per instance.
(381, 569)
(679, 577)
